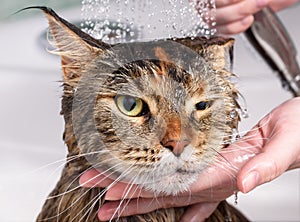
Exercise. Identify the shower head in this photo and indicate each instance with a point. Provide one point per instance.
(269, 36)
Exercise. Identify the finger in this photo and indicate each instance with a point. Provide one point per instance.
(94, 178)
(281, 4)
(218, 181)
(126, 191)
(235, 27)
(239, 11)
(199, 212)
(125, 208)
(116, 190)
(142, 206)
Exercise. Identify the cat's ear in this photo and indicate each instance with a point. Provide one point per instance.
(75, 47)
(217, 51)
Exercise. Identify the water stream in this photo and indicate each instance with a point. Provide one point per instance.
(134, 20)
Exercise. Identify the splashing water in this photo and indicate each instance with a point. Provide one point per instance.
(134, 20)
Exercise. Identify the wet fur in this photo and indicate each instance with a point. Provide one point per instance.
(82, 55)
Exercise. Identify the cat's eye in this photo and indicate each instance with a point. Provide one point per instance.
(131, 106)
(203, 105)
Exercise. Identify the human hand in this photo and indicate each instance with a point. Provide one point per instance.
(277, 137)
(257, 158)
(235, 16)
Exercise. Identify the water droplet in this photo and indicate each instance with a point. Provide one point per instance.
(233, 114)
(244, 113)
(242, 103)
(235, 135)
(235, 197)
(174, 26)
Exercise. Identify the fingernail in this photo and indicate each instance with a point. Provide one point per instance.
(106, 213)
(250, 182)
(247, 21)
(110, 196)
(86, 182)
(83, 182)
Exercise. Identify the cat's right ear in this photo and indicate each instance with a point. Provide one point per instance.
(75, 47)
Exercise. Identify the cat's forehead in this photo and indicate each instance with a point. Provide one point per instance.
(178, 59)
(160, 78)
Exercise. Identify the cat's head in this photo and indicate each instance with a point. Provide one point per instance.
(152, 113)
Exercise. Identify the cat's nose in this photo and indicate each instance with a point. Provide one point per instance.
(176, 146)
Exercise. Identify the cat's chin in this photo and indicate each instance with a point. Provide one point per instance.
(173, 184)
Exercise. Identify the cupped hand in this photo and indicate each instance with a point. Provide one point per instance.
(278, 136)
(264, 153)
(235, 16)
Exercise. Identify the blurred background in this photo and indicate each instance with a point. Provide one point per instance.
(31, 148)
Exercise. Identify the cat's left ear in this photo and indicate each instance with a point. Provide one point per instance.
(217, 51)
(75, 47)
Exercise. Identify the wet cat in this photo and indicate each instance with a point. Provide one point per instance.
(150, 113)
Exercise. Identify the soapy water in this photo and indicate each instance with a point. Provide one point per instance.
(117, 21)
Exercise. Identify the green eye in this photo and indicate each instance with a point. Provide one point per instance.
(203, 105)
(131, 106)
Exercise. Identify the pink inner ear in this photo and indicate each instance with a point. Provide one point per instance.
(162, 55)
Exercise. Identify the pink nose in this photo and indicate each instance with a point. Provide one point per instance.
(176, 146)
